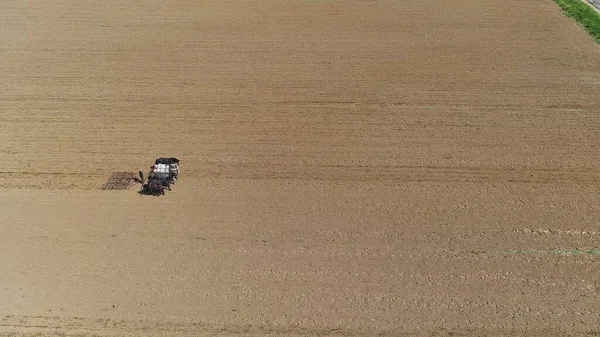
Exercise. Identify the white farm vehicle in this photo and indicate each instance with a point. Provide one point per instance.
(163, 174)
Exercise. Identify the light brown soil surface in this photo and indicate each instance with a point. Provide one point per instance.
(349, 168)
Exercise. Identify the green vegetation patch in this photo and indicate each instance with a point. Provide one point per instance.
(583, 14)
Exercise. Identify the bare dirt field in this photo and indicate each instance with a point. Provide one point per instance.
(349, 168)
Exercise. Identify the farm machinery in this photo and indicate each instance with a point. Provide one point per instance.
(162, 175)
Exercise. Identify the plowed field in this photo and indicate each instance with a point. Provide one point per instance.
(348, 168)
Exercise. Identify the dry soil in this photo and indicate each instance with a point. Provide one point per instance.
(348, 168)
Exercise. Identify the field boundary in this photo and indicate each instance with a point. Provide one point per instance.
(584, 12)
(595, 3)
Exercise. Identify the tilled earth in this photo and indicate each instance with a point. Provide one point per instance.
(348, 168)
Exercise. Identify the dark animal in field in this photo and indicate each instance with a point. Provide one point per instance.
(155, 187)
(165, 183)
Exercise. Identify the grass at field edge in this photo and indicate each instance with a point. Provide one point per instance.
(583, 14)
